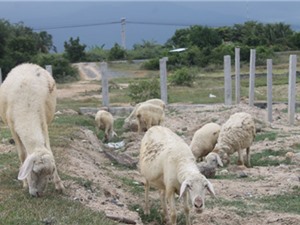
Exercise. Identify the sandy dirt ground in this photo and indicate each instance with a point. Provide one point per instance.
(104, 188)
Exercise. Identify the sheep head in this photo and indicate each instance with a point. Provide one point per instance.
(196, 188)
(214, 159)
(38, 169)
(222, 152)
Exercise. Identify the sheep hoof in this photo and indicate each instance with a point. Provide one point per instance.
(147, 212)
(59, 187)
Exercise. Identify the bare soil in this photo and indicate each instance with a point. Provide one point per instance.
(103, 187)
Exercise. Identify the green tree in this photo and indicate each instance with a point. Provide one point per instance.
(117, 53)
(61, 67)
(44, 42)
(204, 37)
(146, 50)
(295, 40)
(74, 51)
(179, 39)
(19, 44)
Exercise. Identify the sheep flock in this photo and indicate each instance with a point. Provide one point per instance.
(176, 167)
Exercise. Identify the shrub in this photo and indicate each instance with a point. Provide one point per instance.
(152, 64)
(183, 77)
(144, 90)
(61, 67)
(117, 53)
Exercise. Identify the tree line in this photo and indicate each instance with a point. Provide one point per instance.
(204, 46)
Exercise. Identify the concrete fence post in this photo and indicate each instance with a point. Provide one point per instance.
(104, 81)
(163, 79)
(237, 76)
(292, 89)
(49, 69)
(227, 80)
(252, 77)
(1, 76)
(269, 86)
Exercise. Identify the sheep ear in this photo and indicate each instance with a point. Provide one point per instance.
(26, 167)
(219, 161)
(210, 188)
(114, 134)
(185, 184)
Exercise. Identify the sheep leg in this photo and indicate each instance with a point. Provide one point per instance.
(248, 157)
(147, 210)
(163, 202)
(148, 124)
(21, 152)
(171, 200)
(46, 135)
(139, 126)
(240, 157)
(186, 208)
(57, 182)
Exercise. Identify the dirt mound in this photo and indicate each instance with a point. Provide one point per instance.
(107, 191)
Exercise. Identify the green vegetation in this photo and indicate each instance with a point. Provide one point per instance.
(288, 202)
(4, 132)
(271, 136)
(50, 209)
(242, 208)
(133, 186)
(269, 157)
(155, 214)
(183, 77)
(144, 89)
(205, 47)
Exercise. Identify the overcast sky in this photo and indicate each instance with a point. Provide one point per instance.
(98, 23)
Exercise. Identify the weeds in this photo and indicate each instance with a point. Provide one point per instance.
(271, 136)
(269, 157)
(288, 202)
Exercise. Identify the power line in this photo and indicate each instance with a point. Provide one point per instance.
(160, 23)
(76, 26)
(113, 22)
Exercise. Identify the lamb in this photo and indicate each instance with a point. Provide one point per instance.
(236, 134)
(205, 139)
(130, 121)
(168, 164)
(27, 106)
(105, 121)
(149, 115)
(209, 167)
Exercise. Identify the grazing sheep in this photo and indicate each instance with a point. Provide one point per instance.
(205, 139)
(27, 106)
(209, 167)
(149, 115)
(236, 134)
(168, 164)
(105, 121)
(131, 122)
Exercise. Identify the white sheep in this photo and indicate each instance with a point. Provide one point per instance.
(149, 115)
(105, 121)
(27, 106)
(131, 122)
(205, 139)
(236, 134)
(209, 166)
(168, 164)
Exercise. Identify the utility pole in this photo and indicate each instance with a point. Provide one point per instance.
(123, 35)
